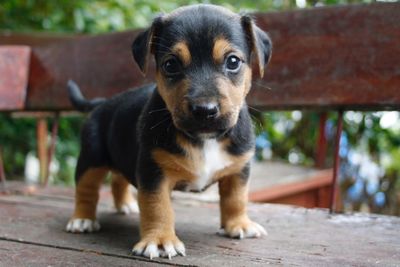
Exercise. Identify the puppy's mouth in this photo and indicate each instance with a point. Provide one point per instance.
(208, 128)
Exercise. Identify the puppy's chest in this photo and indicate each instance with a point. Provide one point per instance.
(207, 162)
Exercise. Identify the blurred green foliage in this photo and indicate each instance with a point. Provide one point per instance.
(17, 137)
(89, 16)
(94, 16)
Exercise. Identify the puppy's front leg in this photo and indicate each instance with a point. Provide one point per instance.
(233, 192)
(157, 230)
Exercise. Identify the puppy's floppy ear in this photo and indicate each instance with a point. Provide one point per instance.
(259, 42)
(143, 45)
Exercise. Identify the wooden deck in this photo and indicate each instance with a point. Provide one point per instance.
(32, 233)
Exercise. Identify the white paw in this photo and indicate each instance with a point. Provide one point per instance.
(129, 208)
(166, 249)
(247, 230)
(82, 225)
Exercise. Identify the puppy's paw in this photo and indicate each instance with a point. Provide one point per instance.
(154, 247)
(243, 228)
(128, 208)
(79, 225)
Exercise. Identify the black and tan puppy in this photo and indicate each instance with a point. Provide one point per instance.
(189, 130)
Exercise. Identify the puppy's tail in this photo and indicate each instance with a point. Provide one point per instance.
(79, 101)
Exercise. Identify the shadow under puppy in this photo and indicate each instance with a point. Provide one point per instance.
(189, 130)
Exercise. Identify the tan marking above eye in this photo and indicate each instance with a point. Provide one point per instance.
(181, 49)
(221, 48)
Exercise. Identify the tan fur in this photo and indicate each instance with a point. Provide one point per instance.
(256, 52)
(177, 167)
(233, 193)
(221, 48)
(156, 214)
(247, 77)
(181, 49)
(183, 168)
(238, 163)
(233, 96)
(174, 97)
(87, 193)
(120, 190)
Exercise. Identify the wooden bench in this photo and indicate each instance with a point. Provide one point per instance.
(337, 58)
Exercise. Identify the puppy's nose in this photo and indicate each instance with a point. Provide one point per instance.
(204, 111)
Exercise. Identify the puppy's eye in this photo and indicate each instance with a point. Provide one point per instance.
(233, 64)
(172, 67)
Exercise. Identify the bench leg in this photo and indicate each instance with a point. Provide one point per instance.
(3, 187)
(52, 148)
(336, 163)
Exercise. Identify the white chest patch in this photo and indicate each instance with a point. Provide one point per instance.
(214, 159)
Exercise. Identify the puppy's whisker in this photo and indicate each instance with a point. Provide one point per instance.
(257, 122)
(253, 108)
(157, 110)
(263, 86)
(157, 124)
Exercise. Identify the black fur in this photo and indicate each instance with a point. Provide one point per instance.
(79, 101)
(245, 174)
(242, 135)
(109, 136)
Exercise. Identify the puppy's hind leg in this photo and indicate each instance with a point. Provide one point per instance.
(124, 200)
(86, 198)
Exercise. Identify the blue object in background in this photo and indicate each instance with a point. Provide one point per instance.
(262, 141)
(355, 192)
(329, 130)
(344, 145)
(372, 187)
(379, 199)
(263, 145)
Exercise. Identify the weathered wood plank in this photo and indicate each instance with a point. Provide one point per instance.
(332, 57)
(19, 253)
(340, 57)
(14, 73)
(102, 65)
(320, 179)
(34, 39)
(297, 236)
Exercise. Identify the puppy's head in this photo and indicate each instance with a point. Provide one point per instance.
(203, 56)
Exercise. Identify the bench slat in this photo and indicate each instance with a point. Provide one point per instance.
(344, 57)
(14, 69)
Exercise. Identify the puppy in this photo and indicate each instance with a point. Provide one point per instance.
(189, 130)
